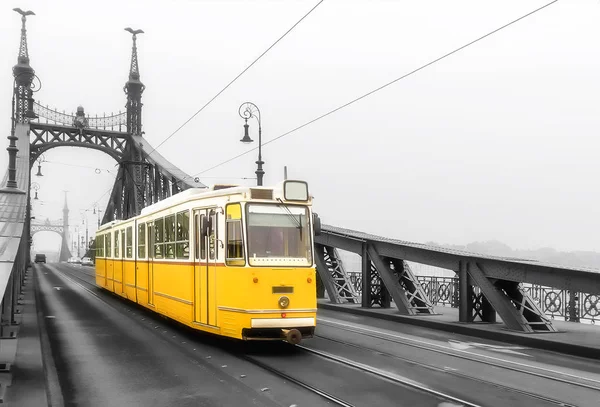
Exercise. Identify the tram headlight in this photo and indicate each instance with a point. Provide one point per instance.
(284, 302)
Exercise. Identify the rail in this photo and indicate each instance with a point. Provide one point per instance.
(94, 122)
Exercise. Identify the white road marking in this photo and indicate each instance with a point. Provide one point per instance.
(494, 348)
(422, 342)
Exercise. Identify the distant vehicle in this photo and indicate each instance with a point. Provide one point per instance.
(40, 258)
(74, 260)
(86, 261)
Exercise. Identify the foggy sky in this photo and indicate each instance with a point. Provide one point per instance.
(499, 141)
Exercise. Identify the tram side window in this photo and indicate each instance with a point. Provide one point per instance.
(182, 245)
(141, 241)
(159, 238)
(108, 244)
(122, 242)
(169, 246)
(117, 254)
(129, 243)
(235, 246)
(100, 246)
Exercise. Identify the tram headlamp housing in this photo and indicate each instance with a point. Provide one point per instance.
(284, 302)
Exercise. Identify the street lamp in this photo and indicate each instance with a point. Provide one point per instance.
(35, 186)
(247, 111)
(40, 160)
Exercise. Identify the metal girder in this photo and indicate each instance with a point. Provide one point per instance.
(566, 278)
(48, 136)
(46, 228)
(333, 275)
(408, 295)
(413, 290)
(514, 306)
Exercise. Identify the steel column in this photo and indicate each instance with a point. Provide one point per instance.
(366, 278)
(465, 292)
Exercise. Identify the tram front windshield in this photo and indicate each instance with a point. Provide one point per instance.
(278, 235)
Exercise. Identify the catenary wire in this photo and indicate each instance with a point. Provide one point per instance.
(377, 89)
(236, 78)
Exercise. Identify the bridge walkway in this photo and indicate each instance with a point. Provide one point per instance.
(573, 338)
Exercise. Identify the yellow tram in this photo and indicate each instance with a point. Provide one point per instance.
(234, 261)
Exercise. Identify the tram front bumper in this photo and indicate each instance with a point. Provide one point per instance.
(282, 322)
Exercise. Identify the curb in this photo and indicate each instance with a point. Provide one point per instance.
(528, 340)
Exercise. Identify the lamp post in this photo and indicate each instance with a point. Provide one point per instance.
(11, 181)
(247, 111)
(97, 211)
(40, 160)
(36, 187)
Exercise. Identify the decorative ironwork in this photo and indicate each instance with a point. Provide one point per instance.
(554, 303)
(48, 136)
(102, 122)
(379, 293)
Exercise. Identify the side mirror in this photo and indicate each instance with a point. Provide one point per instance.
(316, 224)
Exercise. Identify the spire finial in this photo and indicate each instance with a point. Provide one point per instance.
(134, 70)
(23, 57)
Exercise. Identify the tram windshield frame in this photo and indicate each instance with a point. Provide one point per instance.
(278, 235)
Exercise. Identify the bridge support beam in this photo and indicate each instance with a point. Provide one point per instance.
(516, 308)
(409, 297)
(333, 276)
(374, 291)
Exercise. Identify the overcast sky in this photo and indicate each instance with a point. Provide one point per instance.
(499, 141)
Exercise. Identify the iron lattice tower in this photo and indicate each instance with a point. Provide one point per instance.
(65, 251)
(24, 74)
(134, 89)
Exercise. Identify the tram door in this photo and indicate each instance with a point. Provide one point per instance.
(150, 250)
(123, 256)
(205, 270)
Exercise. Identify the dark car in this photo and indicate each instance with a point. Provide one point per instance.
(40, 258)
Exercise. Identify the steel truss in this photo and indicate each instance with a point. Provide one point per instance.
(514, 305)
(335, 280)
(396, 280)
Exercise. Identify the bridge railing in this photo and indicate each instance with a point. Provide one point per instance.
(526, 294)
(554, 302)
(14, 236)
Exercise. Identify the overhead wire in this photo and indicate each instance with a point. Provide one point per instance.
(378, 88)
(236, 78)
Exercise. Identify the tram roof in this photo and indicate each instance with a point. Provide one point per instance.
(197, 193)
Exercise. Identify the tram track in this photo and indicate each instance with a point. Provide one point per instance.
(448, 371)
(82, 282)
(518, 367)
(277, 372)
(278, 367)
(271, 366)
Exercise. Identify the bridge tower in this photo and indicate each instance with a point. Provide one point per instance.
(65, 251)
